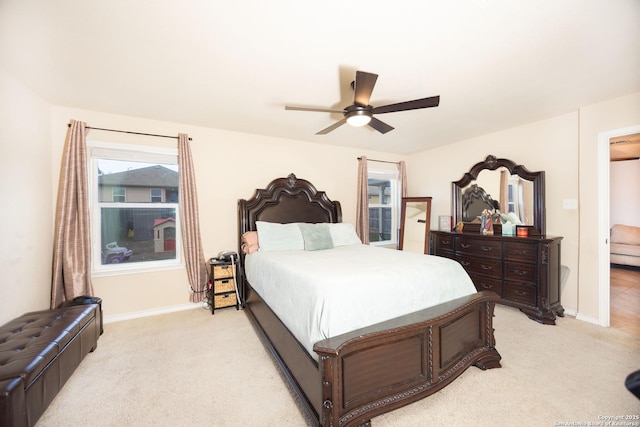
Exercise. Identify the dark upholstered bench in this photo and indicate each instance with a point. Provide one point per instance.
(38, 353)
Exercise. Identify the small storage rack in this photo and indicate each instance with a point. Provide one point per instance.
(222, 288)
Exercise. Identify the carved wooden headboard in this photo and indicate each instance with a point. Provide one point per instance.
(286, 200)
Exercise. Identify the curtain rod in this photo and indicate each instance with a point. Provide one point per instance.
(130, 132)
(380, 161)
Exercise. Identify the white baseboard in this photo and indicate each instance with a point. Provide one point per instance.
(152, 312)
(588, 319)
(584, 318)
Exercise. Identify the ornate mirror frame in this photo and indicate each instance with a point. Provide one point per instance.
(417, 229)
(492, 163)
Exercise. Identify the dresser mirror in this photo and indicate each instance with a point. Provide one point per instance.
(414, 224)
(510, 191)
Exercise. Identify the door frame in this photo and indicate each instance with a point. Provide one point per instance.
(604, 270)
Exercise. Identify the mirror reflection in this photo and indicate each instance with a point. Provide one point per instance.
(414, 224)
(507, 195)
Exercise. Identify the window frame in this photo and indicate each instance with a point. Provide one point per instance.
(392, 176)
(97, 150)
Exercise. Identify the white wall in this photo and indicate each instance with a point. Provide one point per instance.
(624, 193)
(26, 217)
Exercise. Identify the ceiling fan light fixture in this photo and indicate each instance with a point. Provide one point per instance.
(358, 117)
(358, 121)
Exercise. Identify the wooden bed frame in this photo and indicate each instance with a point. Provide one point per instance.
(374, 370)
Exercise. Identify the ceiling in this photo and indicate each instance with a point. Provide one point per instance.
(624, 148)
(234, 65)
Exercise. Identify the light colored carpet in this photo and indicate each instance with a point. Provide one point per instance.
(193, 369)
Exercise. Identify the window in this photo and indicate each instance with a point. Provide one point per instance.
(119, 194)
(383, 206)
(134, 208)
(156, 195)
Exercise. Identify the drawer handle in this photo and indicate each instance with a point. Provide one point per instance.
(446, 242)
(520, 293)
(465, 246)
(484, 285)
(520, 272)
(465, 263)
(486, 267)
(486, 248)
(519, 252)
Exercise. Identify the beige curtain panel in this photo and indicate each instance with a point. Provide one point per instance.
(71, 275)
(402, 172)
(190, 223)
(362, 204)
(504, 196)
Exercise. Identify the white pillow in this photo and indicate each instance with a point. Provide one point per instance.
(279, 237)
(343, 234)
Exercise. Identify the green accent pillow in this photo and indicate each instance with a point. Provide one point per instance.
(316, 236)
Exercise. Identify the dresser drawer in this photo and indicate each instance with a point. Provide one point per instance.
(446, 254)
(444, 243)
(522, 293)
(220, 271)
(483, 283)
(224, 285)
(484, 266)
(523, 252)
(520, 272)
(479, 248)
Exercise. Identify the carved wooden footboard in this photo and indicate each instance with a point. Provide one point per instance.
(377, 369)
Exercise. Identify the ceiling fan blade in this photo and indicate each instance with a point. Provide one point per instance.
(319, 110)
(432, 101)
(380, 126)
(332, 127)
(364, 87)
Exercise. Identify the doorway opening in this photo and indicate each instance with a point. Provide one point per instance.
(604, 206)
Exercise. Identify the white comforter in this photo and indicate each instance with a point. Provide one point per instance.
(320, 294)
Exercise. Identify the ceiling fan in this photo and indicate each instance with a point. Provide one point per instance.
(360, 113)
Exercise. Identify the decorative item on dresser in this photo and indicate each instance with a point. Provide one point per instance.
(524, 270)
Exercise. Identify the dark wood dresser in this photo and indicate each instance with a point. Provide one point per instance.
(524, 271)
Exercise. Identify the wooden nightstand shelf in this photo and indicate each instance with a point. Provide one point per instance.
(222, 292)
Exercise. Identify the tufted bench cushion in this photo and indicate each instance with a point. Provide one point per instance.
(38, 353)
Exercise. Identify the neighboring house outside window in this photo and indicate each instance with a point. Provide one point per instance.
(134, 198)
(383, 207)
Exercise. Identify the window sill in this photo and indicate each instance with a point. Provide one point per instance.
(123, 269)
(390, 245)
